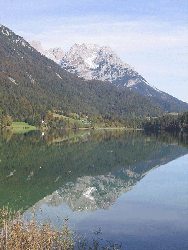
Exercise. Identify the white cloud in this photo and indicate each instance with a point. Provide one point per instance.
(137, 35)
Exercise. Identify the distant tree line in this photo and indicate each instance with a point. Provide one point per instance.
(168, 123)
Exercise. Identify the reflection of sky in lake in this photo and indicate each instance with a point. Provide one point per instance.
(153, 215)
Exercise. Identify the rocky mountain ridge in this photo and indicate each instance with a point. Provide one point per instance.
(92, 61)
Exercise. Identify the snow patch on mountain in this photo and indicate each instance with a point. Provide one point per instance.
(131, 83)
(90, 62)
(58, 75)
(5, 31)
(12, 80)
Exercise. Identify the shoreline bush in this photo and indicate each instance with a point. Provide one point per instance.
(18, 234)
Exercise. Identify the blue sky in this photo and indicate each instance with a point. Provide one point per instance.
(150, 35)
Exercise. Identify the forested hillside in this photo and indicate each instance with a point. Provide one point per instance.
(31, 84)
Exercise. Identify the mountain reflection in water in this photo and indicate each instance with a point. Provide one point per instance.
(87, 170)
(89, 193)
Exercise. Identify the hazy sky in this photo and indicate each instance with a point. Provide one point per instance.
(150, 35)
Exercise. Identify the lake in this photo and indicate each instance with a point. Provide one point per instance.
(131, 186)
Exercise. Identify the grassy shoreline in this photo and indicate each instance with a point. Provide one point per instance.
(21, 127)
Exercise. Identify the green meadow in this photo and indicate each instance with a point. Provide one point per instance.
(21, 127)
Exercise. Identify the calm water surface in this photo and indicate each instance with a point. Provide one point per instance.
(132, 186)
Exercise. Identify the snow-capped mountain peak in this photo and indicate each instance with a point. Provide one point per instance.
(92, 61)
